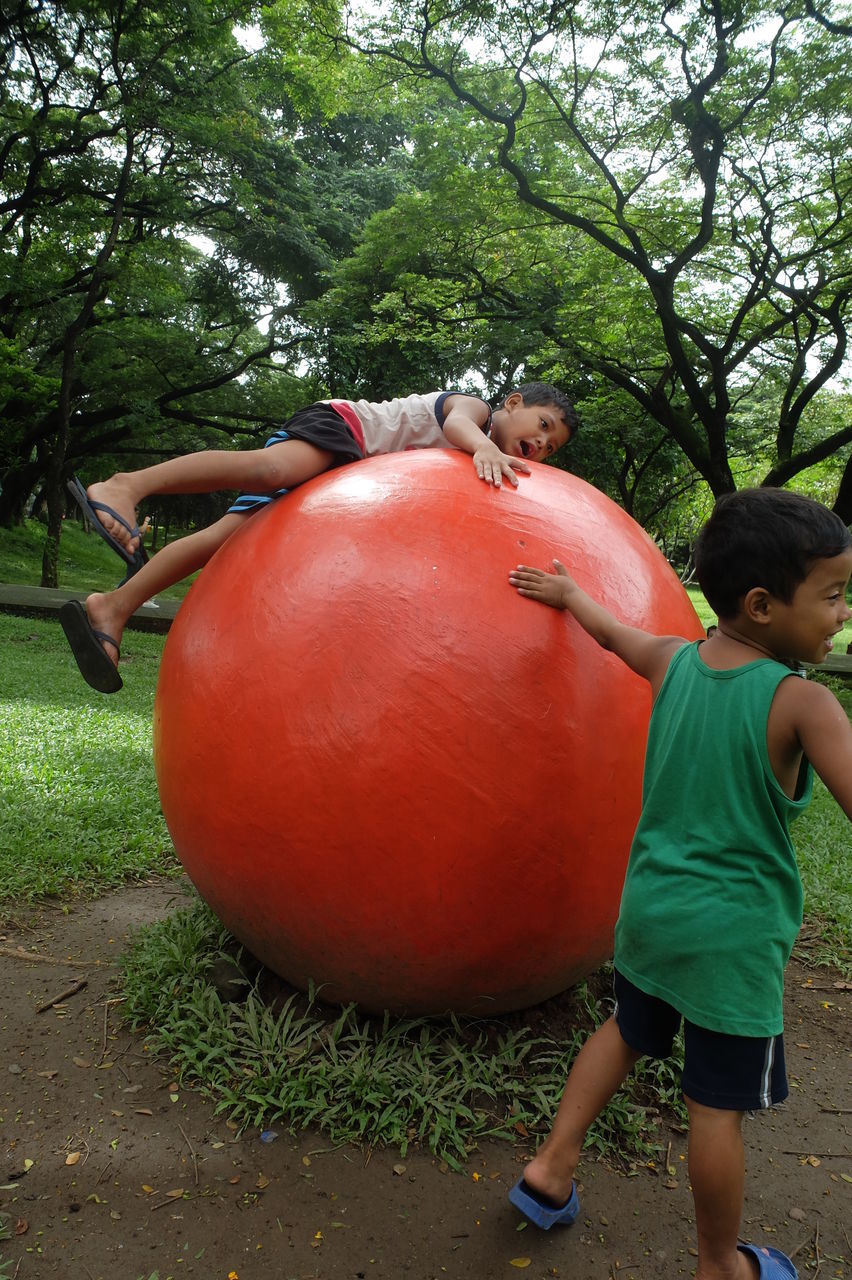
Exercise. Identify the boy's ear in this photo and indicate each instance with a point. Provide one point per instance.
(513, 400)
(757, 606)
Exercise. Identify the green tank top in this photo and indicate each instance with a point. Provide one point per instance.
(712, 899)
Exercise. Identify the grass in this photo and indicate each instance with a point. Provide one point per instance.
(79, 810)
(80, 814)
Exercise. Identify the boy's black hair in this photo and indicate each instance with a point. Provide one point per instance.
(544, 393)
(763, 538)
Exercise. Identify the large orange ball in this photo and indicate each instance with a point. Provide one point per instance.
(386, 771)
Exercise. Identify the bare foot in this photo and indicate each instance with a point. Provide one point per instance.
(115, 494)
(104, 617)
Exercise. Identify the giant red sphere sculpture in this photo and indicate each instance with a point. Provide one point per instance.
(388, 773)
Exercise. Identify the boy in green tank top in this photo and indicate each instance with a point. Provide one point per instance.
(712, 899)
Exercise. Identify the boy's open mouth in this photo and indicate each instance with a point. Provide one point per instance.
(526, 448)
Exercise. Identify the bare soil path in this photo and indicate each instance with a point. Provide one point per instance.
(111, 1172)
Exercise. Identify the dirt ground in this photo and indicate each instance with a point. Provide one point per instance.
(111, 1172)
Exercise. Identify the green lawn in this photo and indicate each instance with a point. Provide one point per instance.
(86, 562)
(79, 810)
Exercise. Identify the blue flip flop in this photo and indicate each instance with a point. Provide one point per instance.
(772, 1263)
(539, 1211)
(87, 646)
(133, 559)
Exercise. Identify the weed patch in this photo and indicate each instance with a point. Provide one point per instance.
(279, 1057)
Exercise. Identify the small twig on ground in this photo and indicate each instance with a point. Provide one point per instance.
(799, 1247)
(816, 1250)
(103, 1171)
(836, 1111)
(18, 953)
(821, 1155)
(64, 995)
(107, 1003)
(169, 1200)
(192, 1153)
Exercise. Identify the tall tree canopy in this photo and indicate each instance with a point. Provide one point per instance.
(687, 171)
(163, 215)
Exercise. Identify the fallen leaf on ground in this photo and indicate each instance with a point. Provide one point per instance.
(21, 1227)
(519, 1262)
(72, 1157)
(399, 1170)
(262, 1181)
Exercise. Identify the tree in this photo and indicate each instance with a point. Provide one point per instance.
(700, 152)
(161, 231)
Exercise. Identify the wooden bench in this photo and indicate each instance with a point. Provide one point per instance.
(45, 602)
(836, 664)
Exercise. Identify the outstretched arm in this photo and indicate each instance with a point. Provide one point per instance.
(646, 654)
(464, 426)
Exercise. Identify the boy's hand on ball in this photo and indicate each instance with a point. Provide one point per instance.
(548, 588)
(492, 466)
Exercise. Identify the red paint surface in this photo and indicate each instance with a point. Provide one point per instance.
(386, 771)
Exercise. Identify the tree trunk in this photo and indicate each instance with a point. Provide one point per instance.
(843, 501)
(17, 485)
(55, 511)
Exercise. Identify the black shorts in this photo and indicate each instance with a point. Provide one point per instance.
(732, 1073)
(317, 424)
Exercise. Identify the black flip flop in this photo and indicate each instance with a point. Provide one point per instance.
(133, 559)
(87, 645)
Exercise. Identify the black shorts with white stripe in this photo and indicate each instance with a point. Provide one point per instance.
(729, 1072)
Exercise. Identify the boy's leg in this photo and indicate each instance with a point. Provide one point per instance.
(717, 1174)
(282, 466)
(108, 611)
(599, 1069)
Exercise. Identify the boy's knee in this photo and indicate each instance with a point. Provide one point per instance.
(700, 1114)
